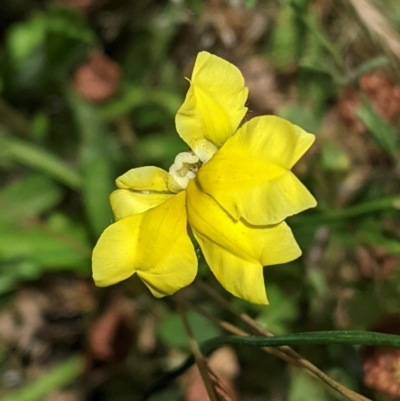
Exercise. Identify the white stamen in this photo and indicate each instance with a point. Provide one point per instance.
(184, 169)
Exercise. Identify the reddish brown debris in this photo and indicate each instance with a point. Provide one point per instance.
(382, 371)
(82, 6)
(376, 262)
(382, 364)
(98, 79)
(346, 107)
(110, 337)
(223, 369)
(383, 93)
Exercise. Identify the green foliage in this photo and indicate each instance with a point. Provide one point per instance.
(285, 40)
(29, 155)
(60, 154)
(29, 245)
(333, 158)
(46, 46)
(383, 134)
(62, 375)
(30, 196)
(173, 333)
(304, 387)
(301, 116)
(95, 165)
(281, 312)
(249, 3)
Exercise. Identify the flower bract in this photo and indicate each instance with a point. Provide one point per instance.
(232, 191)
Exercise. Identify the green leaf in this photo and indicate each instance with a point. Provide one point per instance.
(48, 251)
(132, 97)
(285, 39)
(15, 270)
(305, 387)
(25, 37)
(96, 165)
(160, 149)
(300, 116)
(39, 159)
(67, 42)
(57, 377)
(40, 125)
(365, 68)
(383, 134)
(249, 3)
(370, 233)
(69, 23)
(172, 331)
(333, 158)
(364, 308)
(47, 46)
(51, 245)
(280, 312)
(97, 185)
(26, 50)
(28, 196)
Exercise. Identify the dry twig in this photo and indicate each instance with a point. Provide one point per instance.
(379, 29)
(286, 353)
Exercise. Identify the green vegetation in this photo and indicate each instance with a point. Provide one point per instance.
(90, 89)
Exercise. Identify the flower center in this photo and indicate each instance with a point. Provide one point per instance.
(184, 169)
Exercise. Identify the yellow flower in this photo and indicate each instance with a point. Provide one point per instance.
(234, 189)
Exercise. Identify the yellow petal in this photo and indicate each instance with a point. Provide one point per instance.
(214, 104)
(249, 176)
(154, 244)
(141, 189)
(241, 278)
(274, 140)
(147, 178)
(125, 203)
(235, 250)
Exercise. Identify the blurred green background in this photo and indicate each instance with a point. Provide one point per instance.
(90, 89)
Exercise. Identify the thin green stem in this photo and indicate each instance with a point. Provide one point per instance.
(39, 159)
(313, 338)
(390, 203)
(352, 337)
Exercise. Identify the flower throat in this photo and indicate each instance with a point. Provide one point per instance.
(185, 168)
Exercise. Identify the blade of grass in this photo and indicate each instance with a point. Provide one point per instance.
(311, 23)
(290, 355)
(39, 159)
(58, 377)
(96, 163)
(382, 133)
(331, 216)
